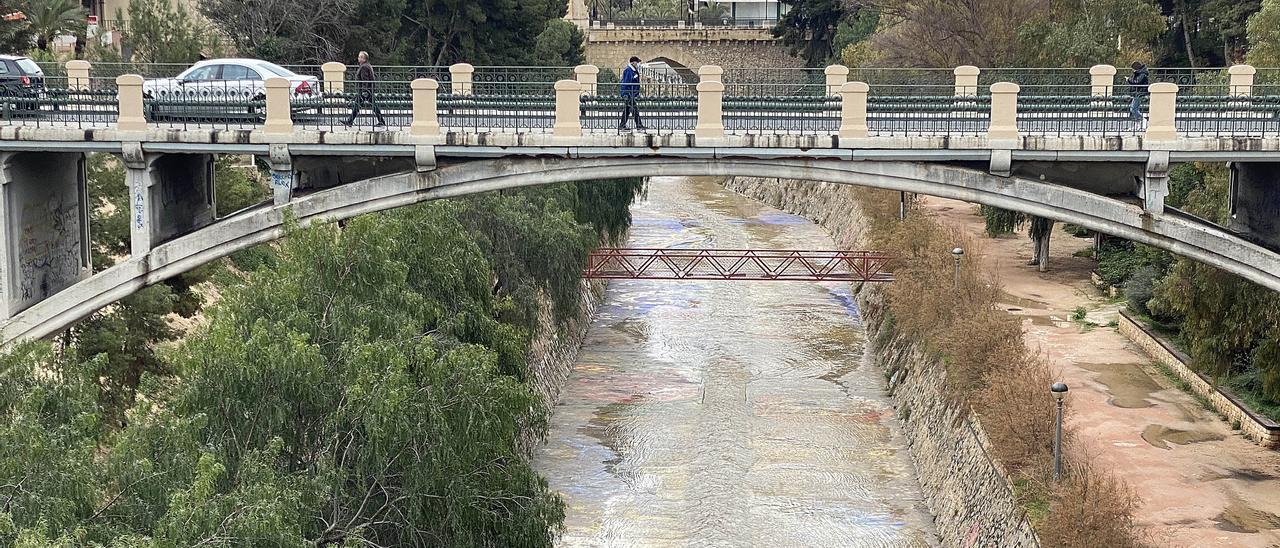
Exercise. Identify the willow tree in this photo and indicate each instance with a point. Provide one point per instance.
(1002, 221)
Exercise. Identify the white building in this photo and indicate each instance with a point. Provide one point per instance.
(764, 10)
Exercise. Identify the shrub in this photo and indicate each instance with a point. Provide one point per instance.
(1140, 287)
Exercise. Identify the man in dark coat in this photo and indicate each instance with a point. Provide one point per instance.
(1137, 89)
(630, 91)
(364, 82)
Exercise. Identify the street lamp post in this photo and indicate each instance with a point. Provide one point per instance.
(957, 253)
(1059, 392)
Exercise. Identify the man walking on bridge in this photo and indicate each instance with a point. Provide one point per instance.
(630, 91)
(365, 81)
(1137, 89)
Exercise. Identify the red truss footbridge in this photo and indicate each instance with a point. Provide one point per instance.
(738, 264)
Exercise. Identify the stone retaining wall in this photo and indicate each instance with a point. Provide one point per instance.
(1261, 430)
(966, 490)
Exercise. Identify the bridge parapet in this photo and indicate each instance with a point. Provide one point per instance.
(1003, 115)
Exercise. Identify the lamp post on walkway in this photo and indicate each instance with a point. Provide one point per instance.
(1059, 391)
(957, 253)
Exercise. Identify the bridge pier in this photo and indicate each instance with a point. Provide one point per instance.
(1155, 182)
(1255, 203)
(170, 195)
(45, 234)
(281, 173)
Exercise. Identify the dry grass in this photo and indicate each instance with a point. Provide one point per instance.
(990, 371)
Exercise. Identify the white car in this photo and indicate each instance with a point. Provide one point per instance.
(219, 87)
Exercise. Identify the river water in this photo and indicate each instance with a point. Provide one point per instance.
(728, 413)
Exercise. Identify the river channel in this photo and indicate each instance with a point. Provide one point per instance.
(704, 413)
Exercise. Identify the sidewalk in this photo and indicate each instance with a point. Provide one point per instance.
(1201, 484)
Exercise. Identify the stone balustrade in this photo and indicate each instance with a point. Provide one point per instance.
(1001, 122)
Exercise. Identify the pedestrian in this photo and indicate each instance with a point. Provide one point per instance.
(364, 82)
(630, 91)
(1137, 89)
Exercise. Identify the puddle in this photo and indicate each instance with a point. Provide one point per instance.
(1128, 384)
(1239, 518)
(1161, 436)
(1006, 298)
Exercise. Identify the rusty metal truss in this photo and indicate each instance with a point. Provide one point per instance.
(737, 264)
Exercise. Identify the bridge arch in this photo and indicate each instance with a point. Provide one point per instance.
(1180, 235)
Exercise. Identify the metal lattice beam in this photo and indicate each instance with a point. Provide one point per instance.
(737, 264)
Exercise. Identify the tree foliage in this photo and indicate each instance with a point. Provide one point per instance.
(161, 32)
(1264, 35)
(48, 19)
(809, 28)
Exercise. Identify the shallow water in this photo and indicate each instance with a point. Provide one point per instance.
(728, 413)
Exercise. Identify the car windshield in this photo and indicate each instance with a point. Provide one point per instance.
(276, 69)
(30, 67)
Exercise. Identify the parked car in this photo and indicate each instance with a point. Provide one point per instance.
(221, 87)
(21, 82)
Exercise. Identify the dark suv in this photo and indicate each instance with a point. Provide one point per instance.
(20, 78)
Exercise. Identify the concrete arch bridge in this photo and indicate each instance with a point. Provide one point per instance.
(1074, 158)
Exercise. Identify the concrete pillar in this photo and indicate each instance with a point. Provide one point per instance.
(279, 114)
(78, 75)
(568, 109)
(853, 110)
(710, 109)
(129, 95)
(1161, 112)
(837, 75)
(966, 80)
(169, 195)
(282, 183)
(588, 76)
(1155, 182)
(1255, 205)
(1241, 84)
(460, 75)
(710, 73)
(335, 76)
(1004, 111)
(1102, 80)
(426, 121)
(44, 237)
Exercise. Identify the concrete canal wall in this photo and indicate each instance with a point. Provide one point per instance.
(967, 492)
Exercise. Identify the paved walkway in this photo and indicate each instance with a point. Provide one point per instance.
(1201, 484)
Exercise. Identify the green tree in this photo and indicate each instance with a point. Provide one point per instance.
(160, 32)
(1076, 33)
(559, 45)
(15, 32)
(809, 28)
(1264, 35)
(656, 9)
(50, 18)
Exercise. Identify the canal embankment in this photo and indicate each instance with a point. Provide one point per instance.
(1191, 480)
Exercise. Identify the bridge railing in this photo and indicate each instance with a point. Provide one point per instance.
(1239, 101)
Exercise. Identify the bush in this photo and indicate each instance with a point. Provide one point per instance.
(1116, 262)
(1140, 287)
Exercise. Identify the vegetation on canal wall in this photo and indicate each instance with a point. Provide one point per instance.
(1229, 326)
(943, 339)
(369, 384)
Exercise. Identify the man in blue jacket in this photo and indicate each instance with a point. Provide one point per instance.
(630, 91)
(1138, 84)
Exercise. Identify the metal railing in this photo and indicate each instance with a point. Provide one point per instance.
(360, 105)
(924, 102)
(515, 108)
(57, 102)
(926, 110)
(208, 105)
(1056, 110)
(658, 113)
(723, 21)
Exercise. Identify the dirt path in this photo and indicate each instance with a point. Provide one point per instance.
(1200, 483)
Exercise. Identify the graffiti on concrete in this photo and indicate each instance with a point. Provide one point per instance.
(49, 246)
